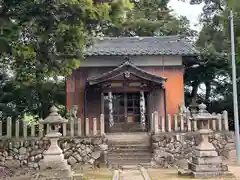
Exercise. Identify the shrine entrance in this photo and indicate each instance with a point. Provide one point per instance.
(126, 112)
(127, 96)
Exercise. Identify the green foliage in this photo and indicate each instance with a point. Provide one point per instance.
(148, 18)
(215, 48)
(213, 44)
(40, 39)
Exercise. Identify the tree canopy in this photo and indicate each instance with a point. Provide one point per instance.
(46, 38)
(148, 18)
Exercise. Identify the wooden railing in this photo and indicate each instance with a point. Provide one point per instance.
(95, 127)
(179, 123)
(72, 128)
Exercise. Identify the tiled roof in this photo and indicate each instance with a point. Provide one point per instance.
(159, 45)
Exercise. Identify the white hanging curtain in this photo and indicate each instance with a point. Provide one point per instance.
(142, 110)
(110, 103)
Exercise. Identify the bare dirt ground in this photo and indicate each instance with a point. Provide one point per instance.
(172, 174)
(94, 174)
(106, 174)
(131, 175)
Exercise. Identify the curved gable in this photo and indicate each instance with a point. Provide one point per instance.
(127, 69)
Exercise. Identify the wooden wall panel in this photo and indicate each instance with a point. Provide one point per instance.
(174, 86)
(93, 105)
(75, 93)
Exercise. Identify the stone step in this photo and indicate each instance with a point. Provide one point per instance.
(128, 137)
(120, 158)
(129, 153)
(128, 162)
(127, 146)
(133, 150)
(132, 144)
(145, 142)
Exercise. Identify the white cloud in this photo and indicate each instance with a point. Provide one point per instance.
(192, 12)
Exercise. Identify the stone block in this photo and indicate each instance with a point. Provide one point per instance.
(207, 160)
(71, 160)
(205, 167)
(103, 147)
(96, 154)
(12, 164)
(204, 175)
(203, 153)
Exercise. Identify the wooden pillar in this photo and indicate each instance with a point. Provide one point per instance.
(175, 122)
(181, 122)
(163, 123)
(32, 130)
(87, 127)
(189, 125)
(94, 126)
(17, 128)
(142, 110)
(214, 122)
(110, 97)
(219, 122)
(9, 127)
(71, 127)
(152, 123)
(225, 119)
(79, 127)
(102, 125)
(41, 129)
(156, 122)
(169, 124)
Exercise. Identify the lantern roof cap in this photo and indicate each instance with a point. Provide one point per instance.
(53, 117)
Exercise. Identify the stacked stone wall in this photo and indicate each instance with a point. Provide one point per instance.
(78, 151)
(175, 149)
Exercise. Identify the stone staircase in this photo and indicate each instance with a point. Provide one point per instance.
(128, 149)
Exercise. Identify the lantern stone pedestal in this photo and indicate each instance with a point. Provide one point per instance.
(53, 165)
(205, 161)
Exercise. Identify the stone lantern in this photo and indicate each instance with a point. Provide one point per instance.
(204, 117)
(53, 164)
(205, 161)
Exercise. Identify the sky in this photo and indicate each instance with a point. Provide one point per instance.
(192, 12)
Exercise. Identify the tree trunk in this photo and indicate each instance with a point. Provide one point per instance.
(195, 85)
(208, 91)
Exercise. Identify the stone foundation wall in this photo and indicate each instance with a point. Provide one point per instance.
(27, 153)
(175, 149)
